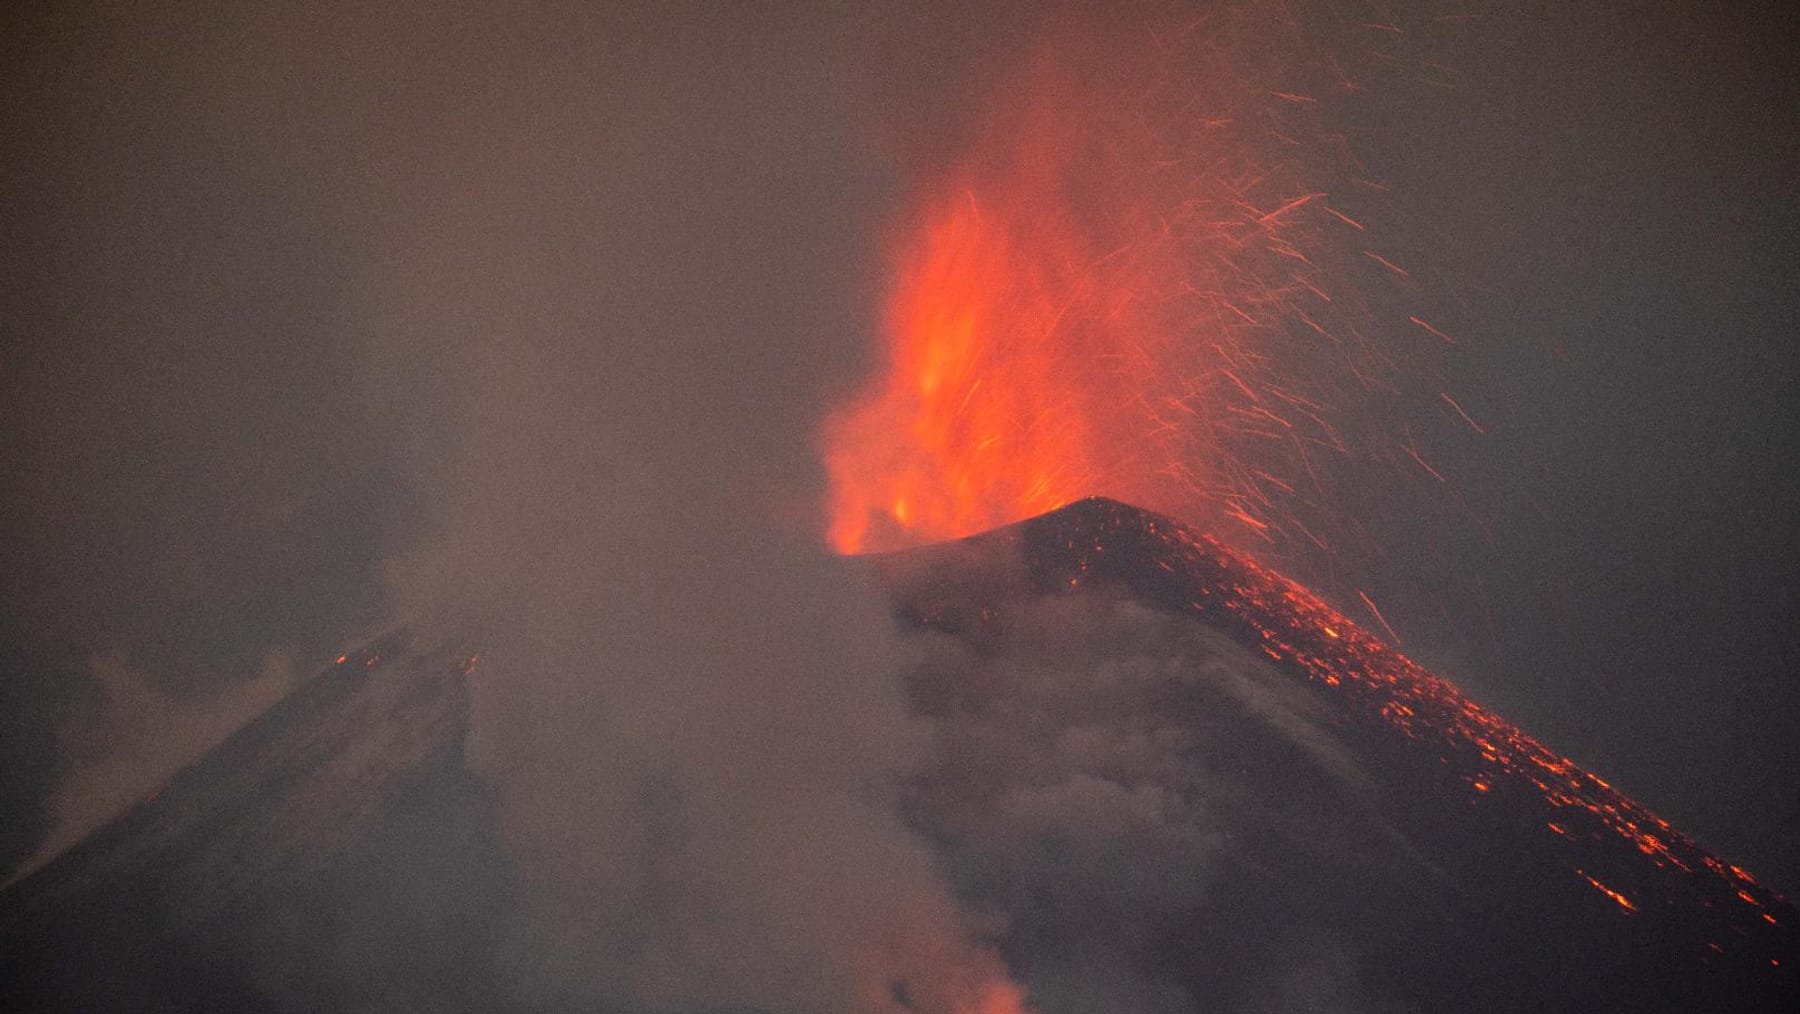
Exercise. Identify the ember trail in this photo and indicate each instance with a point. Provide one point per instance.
(1534, 874)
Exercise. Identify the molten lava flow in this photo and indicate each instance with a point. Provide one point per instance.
(1132, 283)
(980, 419)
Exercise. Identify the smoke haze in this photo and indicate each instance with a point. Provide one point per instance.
(520, 319)
(1103, 774)
(539, 273)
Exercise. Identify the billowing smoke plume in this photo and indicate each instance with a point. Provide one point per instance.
(1114, 781)
(687, 710)
(575, 283)
(693, 723)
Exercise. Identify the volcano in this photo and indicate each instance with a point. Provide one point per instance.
(1166, 778)
(1322, 779)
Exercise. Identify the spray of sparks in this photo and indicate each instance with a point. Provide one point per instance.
(1148, 276)
(1136, 282)
(1158, 275)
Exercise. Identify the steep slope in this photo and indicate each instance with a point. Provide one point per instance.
(1466, 865)
(333, 854)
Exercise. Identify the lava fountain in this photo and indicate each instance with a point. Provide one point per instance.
(1150, 277)
(1135, 281)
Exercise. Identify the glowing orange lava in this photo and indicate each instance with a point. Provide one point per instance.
(980, 420)
(1130, 283)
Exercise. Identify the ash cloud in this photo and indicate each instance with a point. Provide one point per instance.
(535, 309)
(687, 712)
(1116, 785)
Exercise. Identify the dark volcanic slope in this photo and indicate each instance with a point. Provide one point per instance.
(331, 855)
(1520, 881)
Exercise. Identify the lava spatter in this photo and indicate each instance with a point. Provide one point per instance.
(1549, 870)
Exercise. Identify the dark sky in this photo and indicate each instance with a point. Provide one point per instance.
(310, 315)
(1615, 189)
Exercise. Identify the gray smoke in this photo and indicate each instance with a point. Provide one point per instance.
(1108, 778)
(518, 320)
(688, 712)
(538, 307)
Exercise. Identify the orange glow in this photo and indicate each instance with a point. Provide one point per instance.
(1619, 899)
(1000, 997)
(1129, 283)
(977, 423)
(923, 960)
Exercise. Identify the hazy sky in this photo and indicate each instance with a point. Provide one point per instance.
(1617, 187)
(313, 316)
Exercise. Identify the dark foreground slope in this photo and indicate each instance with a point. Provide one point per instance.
(331, 855)
(1161, 778)
(1329, 782)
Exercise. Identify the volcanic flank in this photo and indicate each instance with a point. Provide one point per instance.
(1117, 696)
(331, 855)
